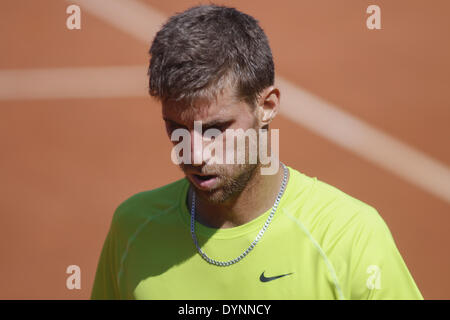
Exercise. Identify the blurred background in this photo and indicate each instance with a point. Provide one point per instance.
(367, 111)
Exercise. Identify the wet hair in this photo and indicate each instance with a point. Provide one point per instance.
(202, 51)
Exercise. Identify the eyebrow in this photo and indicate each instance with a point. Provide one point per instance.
(205, 124)
(169, 120)
(215, 122)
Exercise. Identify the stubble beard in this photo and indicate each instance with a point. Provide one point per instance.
(230, 186)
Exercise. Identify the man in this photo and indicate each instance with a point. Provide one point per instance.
(228, 231)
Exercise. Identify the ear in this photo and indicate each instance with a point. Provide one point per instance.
(268, 105)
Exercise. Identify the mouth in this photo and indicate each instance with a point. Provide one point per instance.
(204, 182)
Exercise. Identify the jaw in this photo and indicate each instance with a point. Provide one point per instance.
(227, 190)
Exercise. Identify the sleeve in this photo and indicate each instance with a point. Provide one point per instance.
(105, 285)
(377, 270)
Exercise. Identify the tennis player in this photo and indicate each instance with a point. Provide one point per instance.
(226, 230)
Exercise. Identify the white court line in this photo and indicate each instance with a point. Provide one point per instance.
(298, 105)
(365, 140)
(133, 17)
(66, 83)
(307, 110)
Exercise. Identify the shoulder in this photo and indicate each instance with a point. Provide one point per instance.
(330, 213)
(149, 204)
(343, 212)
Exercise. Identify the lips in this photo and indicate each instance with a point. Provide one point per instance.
(204, 182)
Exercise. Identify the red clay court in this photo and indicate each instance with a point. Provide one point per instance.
(367, 111)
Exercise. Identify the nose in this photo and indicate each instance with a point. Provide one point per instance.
(199, 142)
(197, 147)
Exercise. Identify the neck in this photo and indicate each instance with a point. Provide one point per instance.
(255, 199)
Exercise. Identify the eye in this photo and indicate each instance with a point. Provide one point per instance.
(219, 126)
(222, 127)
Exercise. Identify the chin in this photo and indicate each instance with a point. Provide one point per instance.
(228, 186)
(215, 196)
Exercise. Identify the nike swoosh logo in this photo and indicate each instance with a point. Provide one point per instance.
(262, 278)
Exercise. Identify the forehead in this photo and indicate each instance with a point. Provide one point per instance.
(224, 106)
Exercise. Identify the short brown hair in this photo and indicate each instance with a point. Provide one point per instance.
(201, 50)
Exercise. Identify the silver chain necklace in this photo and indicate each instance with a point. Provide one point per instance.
(258, 237)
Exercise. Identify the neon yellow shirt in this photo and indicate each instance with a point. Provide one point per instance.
(321, 244)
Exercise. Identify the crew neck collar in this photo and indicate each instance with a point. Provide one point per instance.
(228, 233)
